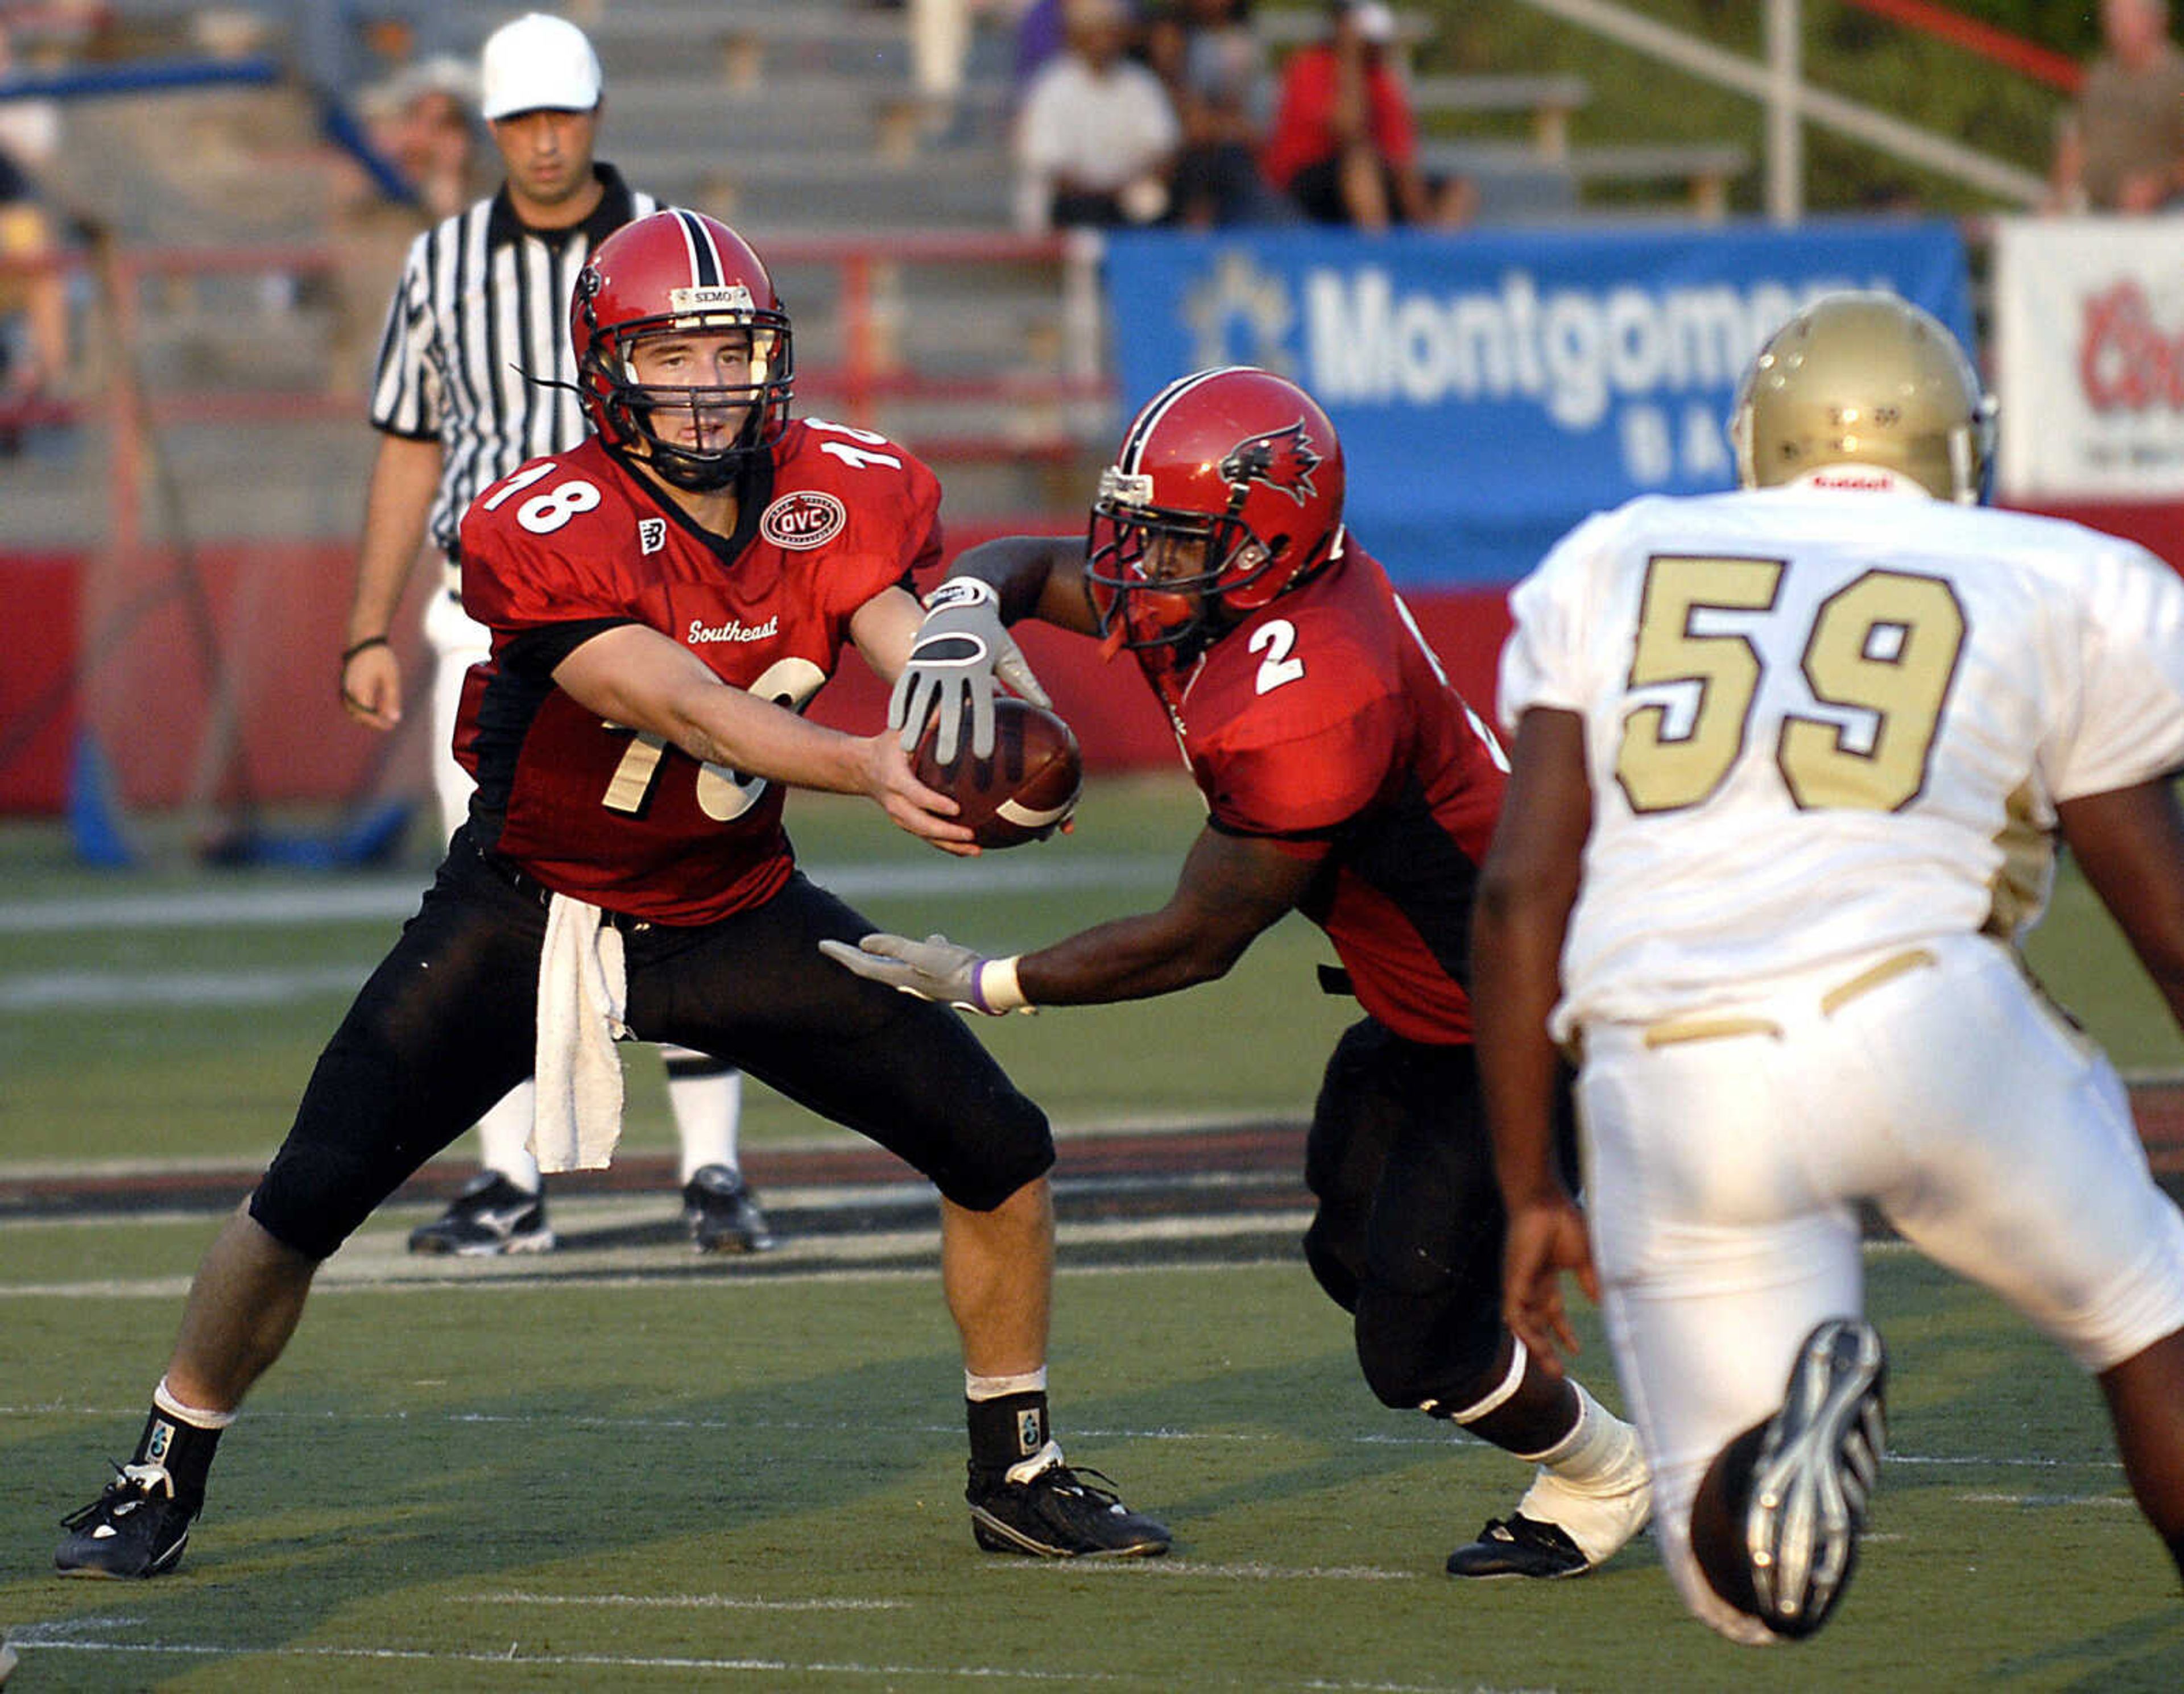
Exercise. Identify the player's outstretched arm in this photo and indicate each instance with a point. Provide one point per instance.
(1231, 889)
(1527, 889)
(635, 676)
(2130, 843)
(962, 644)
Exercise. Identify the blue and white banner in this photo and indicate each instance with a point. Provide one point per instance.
(1493, 388)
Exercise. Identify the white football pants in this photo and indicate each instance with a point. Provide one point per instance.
(1723, 1175)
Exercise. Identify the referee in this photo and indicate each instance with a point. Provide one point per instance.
(476, 376)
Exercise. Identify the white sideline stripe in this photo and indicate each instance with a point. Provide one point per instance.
(1173, 1566)
(33, 1637)
(40, 1638)
(731, 1602)
(119, 990)
(376, 899)
(1100, 1123)
(1085, 1433)
(381, 1263)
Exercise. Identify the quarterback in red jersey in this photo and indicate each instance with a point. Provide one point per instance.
(664, 600)
(1343, 778)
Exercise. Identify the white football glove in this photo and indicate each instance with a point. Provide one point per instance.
(935, 969)
(960, 648)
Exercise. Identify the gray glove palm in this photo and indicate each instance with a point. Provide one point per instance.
(960, 648)
(935, 969)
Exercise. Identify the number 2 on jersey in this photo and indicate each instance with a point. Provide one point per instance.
(1884, 646)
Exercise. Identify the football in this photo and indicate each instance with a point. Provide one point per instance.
(1025, 791)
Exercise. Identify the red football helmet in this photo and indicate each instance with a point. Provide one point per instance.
(677, 271)
(1226, 493)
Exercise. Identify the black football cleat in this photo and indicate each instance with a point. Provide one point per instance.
(1518, 1545)
(1059, 1514)
(722, 1214)
(135, 1529)
(490, 1215)
(1819, 1459)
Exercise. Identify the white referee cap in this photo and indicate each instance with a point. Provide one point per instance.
(536, 63)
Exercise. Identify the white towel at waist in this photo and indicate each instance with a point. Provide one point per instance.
(582, 996)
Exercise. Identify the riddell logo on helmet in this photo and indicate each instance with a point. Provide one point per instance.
(804, 520)
(691, 303)
(1858, 481)
(1282, 459)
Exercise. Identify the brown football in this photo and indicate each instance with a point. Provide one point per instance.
(1025, 791)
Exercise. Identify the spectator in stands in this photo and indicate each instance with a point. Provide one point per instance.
(1215, 66)
(940, 32)
(29, 128)
(421, 123)
(34, 320)
(1038, 40)
(2120, 147)
(434, 140)
(1096, 140)
(1345, 143)
(34, 312)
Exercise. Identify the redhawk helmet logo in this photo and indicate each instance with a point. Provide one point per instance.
(1282, 459)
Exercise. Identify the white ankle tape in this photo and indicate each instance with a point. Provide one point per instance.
(993, 1387)
(1499, 1397)
(196, 1418)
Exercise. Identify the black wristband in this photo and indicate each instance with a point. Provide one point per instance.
(363, 646)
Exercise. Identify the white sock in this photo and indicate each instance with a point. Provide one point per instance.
(976, 1387)
(504, 1137)
(1599, 1447)
(164, 1397)
(708, 1112)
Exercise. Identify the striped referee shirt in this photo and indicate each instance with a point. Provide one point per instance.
(479, 322)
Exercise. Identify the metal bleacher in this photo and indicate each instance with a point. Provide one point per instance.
(889, 228)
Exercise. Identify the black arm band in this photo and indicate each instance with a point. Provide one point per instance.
(363, 646)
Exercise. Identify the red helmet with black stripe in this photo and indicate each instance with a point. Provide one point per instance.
(679, 272)
(1225, 494)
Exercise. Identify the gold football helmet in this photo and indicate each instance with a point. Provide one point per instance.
(1862, 378)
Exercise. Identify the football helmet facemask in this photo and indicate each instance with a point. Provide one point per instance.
(1226, 493)
(680, 272)
(1864, 379)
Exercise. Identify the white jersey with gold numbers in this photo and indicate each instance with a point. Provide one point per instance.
(1821, 723)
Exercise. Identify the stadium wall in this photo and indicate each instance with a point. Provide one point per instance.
(251, 713)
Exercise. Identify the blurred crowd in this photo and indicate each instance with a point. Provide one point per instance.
(2120, 148)
(1120, 113)
(1194, 128)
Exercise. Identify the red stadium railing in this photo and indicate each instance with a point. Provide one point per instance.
(1946, 23)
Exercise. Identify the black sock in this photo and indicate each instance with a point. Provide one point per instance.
(184, 1449)
(1006, 1430)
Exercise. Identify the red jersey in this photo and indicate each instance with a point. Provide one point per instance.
(574, 544)
(1324, 723)
(1303, 132)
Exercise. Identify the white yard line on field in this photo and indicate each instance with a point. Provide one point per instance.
(378, 898)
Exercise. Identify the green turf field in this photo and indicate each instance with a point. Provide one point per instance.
(672, 1473)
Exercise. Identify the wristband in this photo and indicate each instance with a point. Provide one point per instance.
(994, 988)
(363, 646)
(963, 591)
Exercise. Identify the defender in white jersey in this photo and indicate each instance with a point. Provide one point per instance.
(1791, 764)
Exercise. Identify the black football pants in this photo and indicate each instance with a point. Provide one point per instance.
(1408, 1234)
(446, 1026)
